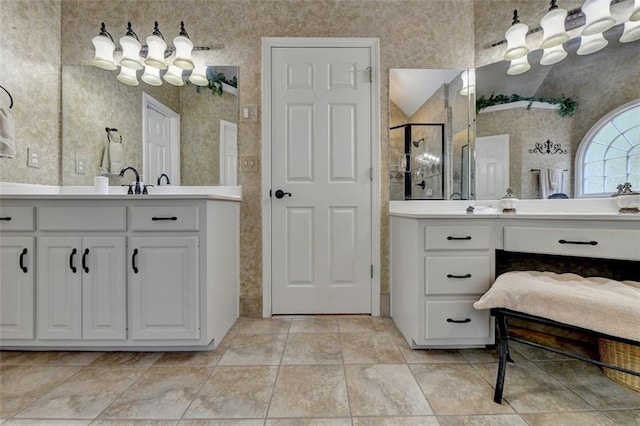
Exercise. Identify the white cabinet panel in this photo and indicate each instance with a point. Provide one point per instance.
(457, 274)
(455, 319)
(16, 287)
(84, 218)
(16, 218)
(457, 237)
(165, 218)
(163, 288)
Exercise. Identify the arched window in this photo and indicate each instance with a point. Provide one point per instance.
(609, 154)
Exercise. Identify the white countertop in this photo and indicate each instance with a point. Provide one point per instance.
(30, 191)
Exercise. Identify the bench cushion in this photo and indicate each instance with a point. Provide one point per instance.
(599, 304)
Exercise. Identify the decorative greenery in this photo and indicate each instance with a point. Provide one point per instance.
(215, 82)
(568, 106)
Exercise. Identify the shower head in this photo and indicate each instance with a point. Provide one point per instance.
(417, 143)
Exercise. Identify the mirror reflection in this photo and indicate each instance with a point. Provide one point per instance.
(188, 132)
(429, 134)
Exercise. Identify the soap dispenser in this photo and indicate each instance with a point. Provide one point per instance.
(509, 202)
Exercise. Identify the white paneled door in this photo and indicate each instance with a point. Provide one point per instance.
(321, 165)
(492, 166)
(161, 135)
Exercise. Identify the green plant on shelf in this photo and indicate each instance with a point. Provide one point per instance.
(568, 106)
(215, 82)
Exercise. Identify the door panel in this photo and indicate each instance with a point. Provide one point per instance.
(321, 154)
(16, 288)
(492, 166)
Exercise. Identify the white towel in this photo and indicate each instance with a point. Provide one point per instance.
(551, 182)
(112, 158)
(7, 133)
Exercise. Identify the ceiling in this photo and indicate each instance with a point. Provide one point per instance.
(403, 81)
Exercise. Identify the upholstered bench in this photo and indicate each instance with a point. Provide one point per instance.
(599, 307)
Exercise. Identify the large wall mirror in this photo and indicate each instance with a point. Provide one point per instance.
(521, 142)
(429, 135)
(203, 125)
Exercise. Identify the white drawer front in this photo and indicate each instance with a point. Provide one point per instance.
(456, 320)
(164, 218)
(457, 274)
(604, 243)
(16, 219)
(456, 237)
(82, 218)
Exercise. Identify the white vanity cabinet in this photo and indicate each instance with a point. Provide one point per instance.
(438, 269)
(16, 287)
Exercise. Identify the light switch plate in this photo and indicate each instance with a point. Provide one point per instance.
(33, 157)
(249, 112)
(248, 163)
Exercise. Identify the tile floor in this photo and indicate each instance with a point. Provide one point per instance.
(308, 371)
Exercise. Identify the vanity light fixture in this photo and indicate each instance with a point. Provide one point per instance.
(598, 17)
(552, 24)
(515, 35)
(631, 32)
(199, 75)
(519, 66)
(152, 57)
(553, 55)
(591, 44)
(468, 77)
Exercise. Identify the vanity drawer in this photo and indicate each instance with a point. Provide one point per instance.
(163, 218)
(82, 218)
(456, 320)
(16, 219)
(457, 274)
(584, 242)
(456, 237)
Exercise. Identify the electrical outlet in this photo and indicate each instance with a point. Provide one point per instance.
(33, 157)
(79, 166)
(249, 112)
(248, 163)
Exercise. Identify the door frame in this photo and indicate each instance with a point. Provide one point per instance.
(149, 101)
(269, 43)
(223, 153)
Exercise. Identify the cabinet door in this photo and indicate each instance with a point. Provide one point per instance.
(104, 311)
(16, 288)
(58, 288)
(164, 288)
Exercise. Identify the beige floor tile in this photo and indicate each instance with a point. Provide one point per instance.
(262, 326)
(432, 356)
(134, 422)
(396, 421)
(370, 348)
(360, 325)
(456, 389)
(384, 390)
(312, 348)
(535, 354)
(624, 417)
(23, 384)
(203, 358)
(310, 391)
(314, 325)
(590, 384)
(586, 418)
(47, 422)
(529, 389)
(211, 422)
(254, 349)
(483, 420)
(308, 422)
(234, 392)
(48, 358)
(134, 359)
(161, 393)
(84, 395)
(488, 355)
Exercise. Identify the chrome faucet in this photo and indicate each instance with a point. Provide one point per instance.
(137, 190)
(163, 175)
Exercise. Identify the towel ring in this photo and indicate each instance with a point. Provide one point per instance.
(10, 97)
(109, 130)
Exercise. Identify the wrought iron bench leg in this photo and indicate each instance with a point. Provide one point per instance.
(504, 356)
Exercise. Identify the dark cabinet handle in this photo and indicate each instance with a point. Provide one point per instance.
(280, 193)
(22, 255)
(7, 218)
(582, 243)
(84, 260)
(459, 276)
(155, 218)
(464, 321)
(73, 268)
(459, 238)
(133, 261)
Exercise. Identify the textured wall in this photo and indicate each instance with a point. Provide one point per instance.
(30, 70)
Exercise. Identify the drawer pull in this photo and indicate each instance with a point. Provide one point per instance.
(73, 268)
(7, 218)
(84, 260)
(133, 261)
(582, 243)
(464, 321)
(467, 238)
(155, 218)
(22, 255)
(459, 276)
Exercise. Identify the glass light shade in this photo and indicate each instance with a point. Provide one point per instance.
(104, 53)
(155, 57)
(151, 76)
(553, 28)
(127, 76)
(598, 17)
(631, 32)
(184, 46)
(516, 43)
(591, 44)
(635, 15)
(174, 76)
(519, 66)
(553, 55)
(199, 75)
(468, 82)
(130, 53)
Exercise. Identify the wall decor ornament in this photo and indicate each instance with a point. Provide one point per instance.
(548, 147)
